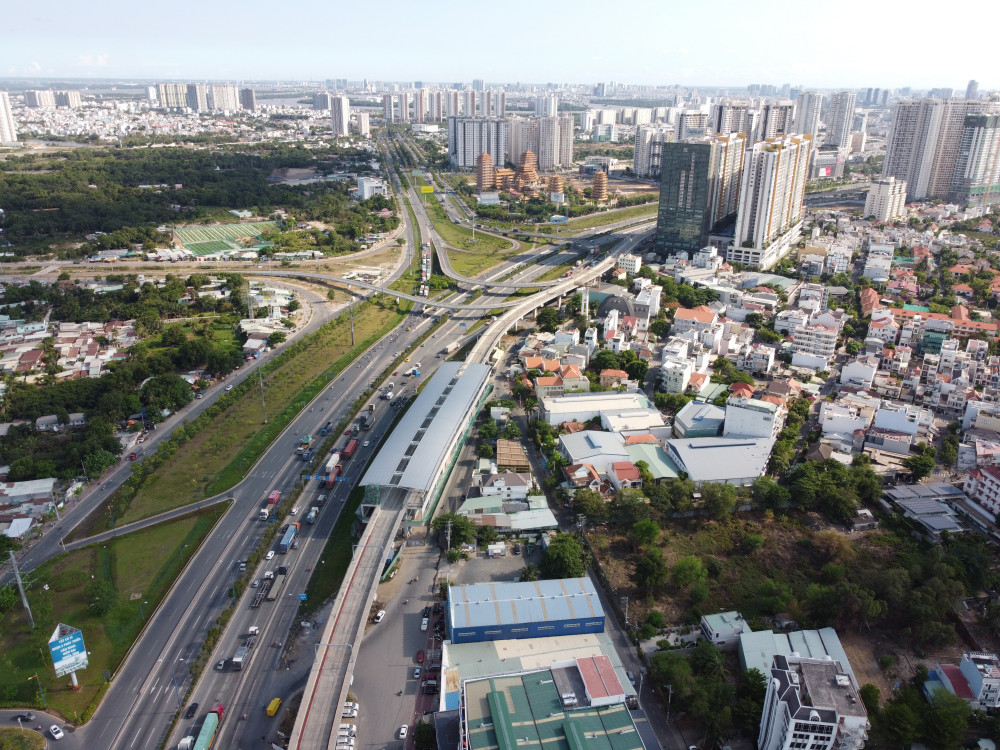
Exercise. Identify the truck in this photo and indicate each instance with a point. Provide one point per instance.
(240, 657)
(371, 408)
(331, 478)
(206, 736)
(275, 590)
(326, 428)
(286, 541)
(331, 464)
(273, 498)
(262, 592)
(368, 421)
(305, 443)
(452, 347)
(312, 515)
(265, 514)
(352, 445)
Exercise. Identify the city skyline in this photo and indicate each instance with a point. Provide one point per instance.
(797, 45)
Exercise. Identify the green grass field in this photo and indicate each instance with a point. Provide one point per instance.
(12, 738)
(612, 217)
(140, 566)
(228, 232)
(461, 237)
(212, 246)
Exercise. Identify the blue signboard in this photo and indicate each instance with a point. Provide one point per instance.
(68, 651)
(302, 597)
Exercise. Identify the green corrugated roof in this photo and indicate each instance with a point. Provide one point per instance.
(502, 724)
(659, 463)
(917, 308)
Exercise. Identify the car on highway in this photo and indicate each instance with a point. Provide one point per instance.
(255, 584)
(229, 387)
(424, 623)
(220, 665)
(416, 672)
(395, 372)
(295, 510)
(56, 732)
(379, 616)
(191, 711)
(269, 555)
(26, 716)
(366, 443)
(403, 730)
(420, 656)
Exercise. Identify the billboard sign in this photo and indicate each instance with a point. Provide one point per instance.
(68, 652)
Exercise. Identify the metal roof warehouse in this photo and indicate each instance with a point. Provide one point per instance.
(530, 609)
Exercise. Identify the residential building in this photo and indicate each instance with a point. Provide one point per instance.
(807, 111)
(769, 219)
(699, 190)
(630, 264)
(548, 142)
(8, 130)
(321, 100)
(843, 418)
(925, 141)
(879, 262)
(624, 475)
(172, 95)
(757, 359)
(340, 115)
(596, 448)
(647, 305)
(699, 318)
(224, 97)
(388, 108)
(976, 679)
(840, 119)
(886, 200)
(976, 180)
(40, 99)
(815, 343)
(649, 140)
(468, 137)
(982, 484)
(723, 630)
(70, 99)
(248, 99)
(733, 116)
(751, 417)
(197, 97)
(510, 485)
(692, 123)
(811, 703)
(547, 105)
(860, 372)
(362, 123)
(777, 119)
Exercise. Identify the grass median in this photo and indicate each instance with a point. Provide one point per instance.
(107, 590)
(612, 217)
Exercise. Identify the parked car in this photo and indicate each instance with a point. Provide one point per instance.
(379, 616)
(256, 583)
(403, 731)
(424, 623)
(420, 656)
(426, 612)
(416, 673)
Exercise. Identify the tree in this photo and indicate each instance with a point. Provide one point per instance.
(637, 370)
(660, 328)
(425, 736)
(563, 558)
(463, 531)
(750, 700)
(278, 337)
(870, 697)
(101, 595)
(605, 359)
(485, 451)
(486, 535)
(645, 533)
(548, 319)
(919, 466)
(651, 570)
(529, 573)
(945, 720)
(511, 431)
(718, 499)
(688, 570)
(488, 429)
(589, 503)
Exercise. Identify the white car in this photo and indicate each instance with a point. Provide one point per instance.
(295, 510)
(416, 673)
(403, 731)
(57, 733)
(424, 623)
(379, 616)
(366, 443)
(269, 555)
(229, 387)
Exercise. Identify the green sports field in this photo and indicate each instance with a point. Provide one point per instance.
(214, 239)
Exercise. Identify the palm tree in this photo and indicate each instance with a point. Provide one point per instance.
(529, 573)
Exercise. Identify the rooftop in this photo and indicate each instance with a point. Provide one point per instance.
(721, 459)
(482, 604)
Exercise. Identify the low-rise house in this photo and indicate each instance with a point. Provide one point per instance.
(723, 629)
(612, 378)
(582, 476)
(624, 474)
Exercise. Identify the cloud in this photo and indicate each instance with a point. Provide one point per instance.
(93, 61)
(34, 67)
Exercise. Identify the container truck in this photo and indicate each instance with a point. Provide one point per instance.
(209, 727)
(286, 541)
(352, 445)
(275, 590)
(368, 421)
(331, 478)
(273, 498)
(331, 464)
(452, 347)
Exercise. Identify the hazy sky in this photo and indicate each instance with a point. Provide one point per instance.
(884, 43)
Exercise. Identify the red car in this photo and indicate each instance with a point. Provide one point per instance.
(396, 372)
(420, 656)
(131, 457)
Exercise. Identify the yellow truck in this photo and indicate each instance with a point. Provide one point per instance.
(273, 706)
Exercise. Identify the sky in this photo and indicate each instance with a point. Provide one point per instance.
(879, 43)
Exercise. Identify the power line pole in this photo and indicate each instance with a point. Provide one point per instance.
(447, 535)
(20, 587)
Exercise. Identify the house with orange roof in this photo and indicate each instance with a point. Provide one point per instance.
(548, 385)
(699, 319)
(624, 474)
(641, 439)
(869, 301)
(612, 378)
(582, 476)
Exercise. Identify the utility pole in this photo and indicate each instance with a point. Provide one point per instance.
(350, 308)
(260, 377)
(581, 522)
(24, 597)
(447, 535)
(624, 603)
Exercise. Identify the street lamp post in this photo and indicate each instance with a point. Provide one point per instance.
(35, 678)
(141, 613)
(173, 677)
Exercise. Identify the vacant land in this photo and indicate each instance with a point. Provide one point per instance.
(129, 574)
